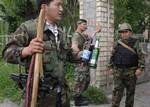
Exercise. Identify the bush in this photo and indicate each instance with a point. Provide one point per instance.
(8, 89)
(95, 95)
(70, 75)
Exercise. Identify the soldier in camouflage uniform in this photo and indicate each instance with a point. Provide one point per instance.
(127, 65)
(53, 47)
(81, 74)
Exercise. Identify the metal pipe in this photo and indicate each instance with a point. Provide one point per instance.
(108, 29)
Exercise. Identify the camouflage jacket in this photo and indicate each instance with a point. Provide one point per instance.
(54, 56)
(79, 39)
(137, 47)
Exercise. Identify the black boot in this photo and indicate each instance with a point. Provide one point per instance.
(84, 98)
(81, 101)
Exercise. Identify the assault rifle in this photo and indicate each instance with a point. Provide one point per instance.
(20, 79)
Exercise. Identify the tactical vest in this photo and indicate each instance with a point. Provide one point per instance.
(123, 57)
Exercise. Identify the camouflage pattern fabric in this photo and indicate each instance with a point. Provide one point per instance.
(54, 56)
(79, 39)
(125, 78)
(138, 49)
(49, 100)
(82, 79)
(81, 74)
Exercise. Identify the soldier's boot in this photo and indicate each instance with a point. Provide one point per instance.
(81, 101)
(84, 98)
(129, 105)
(115, 106)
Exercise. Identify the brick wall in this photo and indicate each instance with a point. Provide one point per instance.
(100, 11)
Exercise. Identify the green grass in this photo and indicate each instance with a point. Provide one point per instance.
(8, 88)
(95, 95)
(70, 75)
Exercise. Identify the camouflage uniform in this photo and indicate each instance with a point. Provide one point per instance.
(124, 80)
(124, 77)
(54, 58)
(82, 74)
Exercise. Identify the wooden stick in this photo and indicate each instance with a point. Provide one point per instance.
(38, 60)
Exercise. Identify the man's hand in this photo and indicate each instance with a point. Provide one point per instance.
(36, 46)
(110, 71)
(138, 72)
(98, 29)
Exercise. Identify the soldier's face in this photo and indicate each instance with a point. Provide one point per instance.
(83, 26)
(54, 10)
(125, 34)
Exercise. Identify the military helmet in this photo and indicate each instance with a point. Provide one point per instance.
(124, 27)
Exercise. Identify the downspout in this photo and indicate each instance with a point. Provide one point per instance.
(108, 29)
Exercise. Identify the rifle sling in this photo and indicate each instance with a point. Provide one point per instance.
(126, 46)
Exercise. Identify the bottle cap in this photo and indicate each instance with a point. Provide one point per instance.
(97, 43)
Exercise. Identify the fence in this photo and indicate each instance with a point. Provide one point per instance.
(3, 40)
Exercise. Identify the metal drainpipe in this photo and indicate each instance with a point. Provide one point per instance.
(149, 24)
(108, 26)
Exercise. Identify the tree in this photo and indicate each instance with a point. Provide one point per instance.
(71, 13)
(16, 11)
(11, 11)
(149, 21)
(134, 12)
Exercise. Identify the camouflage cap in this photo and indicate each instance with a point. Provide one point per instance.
(125, 26)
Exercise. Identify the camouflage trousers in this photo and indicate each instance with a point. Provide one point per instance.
(82, 79)
(124, 80)
(50, 99)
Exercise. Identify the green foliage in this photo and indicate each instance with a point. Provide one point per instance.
(134, 12)
(16, 11)
(70, 75)
(96, 95)
(3, 27)
(68, 35)
(8, 88)
(71, 13)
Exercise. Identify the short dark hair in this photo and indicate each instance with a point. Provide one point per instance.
(81, 21)
(40, 2)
